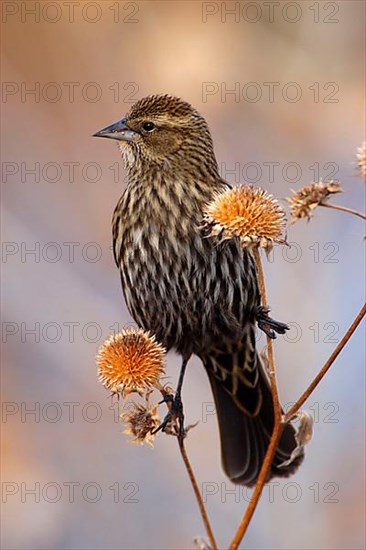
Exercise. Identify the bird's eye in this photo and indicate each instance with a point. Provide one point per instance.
(148, 126)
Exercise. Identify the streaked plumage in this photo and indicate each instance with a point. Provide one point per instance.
(196, 294)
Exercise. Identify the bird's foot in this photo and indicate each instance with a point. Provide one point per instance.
(173, 422)
(269, 325)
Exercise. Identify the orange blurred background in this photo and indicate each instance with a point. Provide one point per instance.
(281, 85)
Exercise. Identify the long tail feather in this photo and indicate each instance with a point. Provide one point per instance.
(244, 435)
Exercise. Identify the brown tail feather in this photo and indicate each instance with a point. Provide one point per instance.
(245, 438)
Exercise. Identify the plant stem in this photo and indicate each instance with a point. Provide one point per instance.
(277, 428)
(192, 477)
(201, 506)
(326, 366)
(343, 209)
(272, 372)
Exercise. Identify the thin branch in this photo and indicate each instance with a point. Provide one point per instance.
(343, 209)
(290, 414)
(262, 478)
(277, 428)
(183, 452)
(272, 370)
(192, 477)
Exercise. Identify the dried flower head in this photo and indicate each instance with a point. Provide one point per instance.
(361, 159)
(303, 435)
(306, 199)
(142, 420)
(250, 214)
(130, 361)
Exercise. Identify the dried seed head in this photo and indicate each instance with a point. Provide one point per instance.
(361, 159)
(306, 199)
(142, 421)
(250, 214)
(304, 433)
(130, 361)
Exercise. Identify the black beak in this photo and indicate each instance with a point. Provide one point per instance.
(119, 130)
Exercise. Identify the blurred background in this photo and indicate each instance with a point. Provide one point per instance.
(281, 85)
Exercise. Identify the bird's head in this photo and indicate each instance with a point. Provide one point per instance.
(160, 129)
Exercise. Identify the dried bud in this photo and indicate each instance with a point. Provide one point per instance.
(142, 421)
(361, 159)
(306, 199)
(303, 435)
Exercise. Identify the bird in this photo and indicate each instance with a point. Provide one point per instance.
(197, 296)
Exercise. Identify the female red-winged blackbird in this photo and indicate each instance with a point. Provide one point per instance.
(197, 295)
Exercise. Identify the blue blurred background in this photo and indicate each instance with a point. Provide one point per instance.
(281, 85)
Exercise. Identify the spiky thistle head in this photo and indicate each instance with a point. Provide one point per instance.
(250, 214)
(130, 361)
(306, 199)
